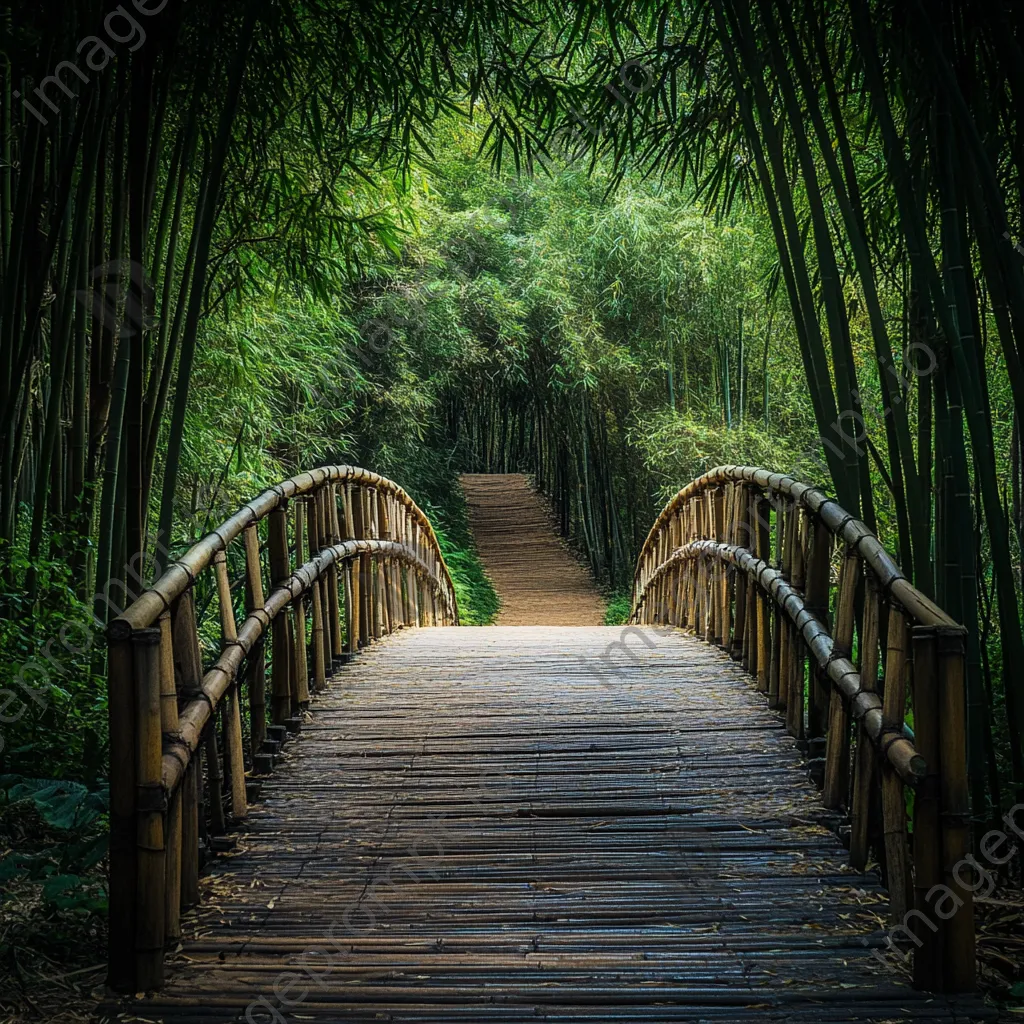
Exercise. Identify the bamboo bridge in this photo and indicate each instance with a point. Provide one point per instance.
(337, 804)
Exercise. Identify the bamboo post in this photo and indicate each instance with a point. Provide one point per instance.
(257, 671)
(232, 698)
(300, 662)
(122, 881)
(795, 683)
(763, 513)
(820, 713)
(894, 810)
(323, 540)
(864, 770)
(331, 522)
(776, 692)
(351, 590)
(319, 663)
(277, 541)
(218, 824)
(150, 806)
(365, 578)
(928, 959)
(172, 828)
(837, 749)
(190, 835)
(958, 931)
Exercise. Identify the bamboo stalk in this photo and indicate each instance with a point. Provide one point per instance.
(864, 774)
(894, 811)
(122, 878)
(150, 806)
(257, 671)
(233, 753)
(928, 959)
(277, 540)
(958, 970)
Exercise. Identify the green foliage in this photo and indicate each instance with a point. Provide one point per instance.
(619, 607)
(62, 857)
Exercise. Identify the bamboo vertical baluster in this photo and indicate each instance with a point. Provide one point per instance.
(794, 682)
(257, 672)
(300, 656)
(894, 809)
(352, 598)
(319, 654)
(277, 541)
(324, 541)
(331, 496)
(762, 551)
(928, 960)
(417, 601)
(232, 698)
(837, 750)
(719, 576)
(816, 600)
(190, 835)
(189, 675)
(776, 691)
(151, 875)
(123, 857)
(410, 577)
(365, 571)
(864, 766)
(383, 567)
(798, 561)
(785, 666)
(958, 931)
(397, 612)
(215, 789)
(788, 515)
(172, 827)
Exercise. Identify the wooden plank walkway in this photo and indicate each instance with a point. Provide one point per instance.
(494, 825)
(536, 577)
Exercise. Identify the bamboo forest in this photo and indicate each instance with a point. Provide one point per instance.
(511, 510)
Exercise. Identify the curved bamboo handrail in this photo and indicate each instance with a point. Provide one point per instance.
(744, 557)
(351, 558)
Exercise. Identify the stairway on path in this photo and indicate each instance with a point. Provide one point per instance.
(536, 577)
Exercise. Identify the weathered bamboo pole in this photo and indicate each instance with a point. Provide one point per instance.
(334, 537)
(894, 809)
(218, 823)
(257, 672)
(864, 768)
(277, 542)
(122, 877)
(958, 970)
(837, 749)
(928, 960)
(150, 879)
(172, 827)
(232, 707)
(300, 655)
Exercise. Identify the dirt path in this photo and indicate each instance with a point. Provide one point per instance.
(538, 580)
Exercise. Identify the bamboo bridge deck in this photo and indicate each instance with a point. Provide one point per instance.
(533, 822)
(489, 824)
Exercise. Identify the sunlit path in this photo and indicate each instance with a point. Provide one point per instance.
(535, 576)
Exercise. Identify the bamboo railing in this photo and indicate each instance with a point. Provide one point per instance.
(783, 578)
(348, 557)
